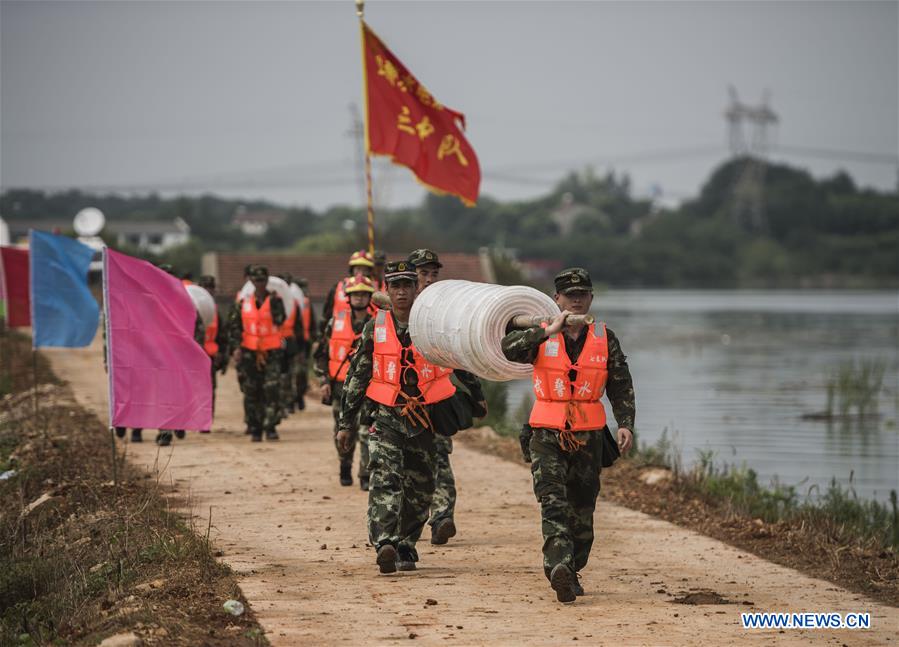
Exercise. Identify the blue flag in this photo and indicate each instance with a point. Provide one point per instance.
(64, 313)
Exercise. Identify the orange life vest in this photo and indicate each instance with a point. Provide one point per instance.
(339, 346)
(389, 362)
(212, 331)
(287, 327)
(259, 330)
(571, 405)
(306, 317)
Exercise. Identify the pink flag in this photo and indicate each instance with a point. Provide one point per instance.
(159, 376)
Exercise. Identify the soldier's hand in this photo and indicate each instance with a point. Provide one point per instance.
(326, 393)
(625, 440)
(557, 323)
(344, 440)
(236, 355)
(524, 439)
(483, 405)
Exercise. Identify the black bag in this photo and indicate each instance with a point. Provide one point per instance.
(610, 450)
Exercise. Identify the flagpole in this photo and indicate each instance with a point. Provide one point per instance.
(108, 350)
(370, 209)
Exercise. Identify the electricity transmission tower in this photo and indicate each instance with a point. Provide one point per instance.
(748, 138)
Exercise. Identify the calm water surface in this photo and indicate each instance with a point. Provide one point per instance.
(733, 372)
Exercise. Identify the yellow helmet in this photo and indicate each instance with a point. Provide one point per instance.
(361, 258)
(359, 284)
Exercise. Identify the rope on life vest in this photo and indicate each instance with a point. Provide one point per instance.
(567, 439)
(416, 409)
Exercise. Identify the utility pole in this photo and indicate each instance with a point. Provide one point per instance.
(748, 207)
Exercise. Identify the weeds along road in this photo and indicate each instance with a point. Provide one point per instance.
(297, 541)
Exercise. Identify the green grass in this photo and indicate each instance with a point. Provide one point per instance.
(855, 387)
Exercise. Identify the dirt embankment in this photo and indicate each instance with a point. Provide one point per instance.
(84, 556)
(297, 542)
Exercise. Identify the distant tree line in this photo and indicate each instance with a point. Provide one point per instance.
(824, 233)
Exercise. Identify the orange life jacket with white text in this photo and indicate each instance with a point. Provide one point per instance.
(565, 404)
(340, 344)
(259, 330)
(390, 361)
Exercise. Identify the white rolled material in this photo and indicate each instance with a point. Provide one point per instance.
(460, 324)
(279, 285)
(298, 295)
(203, 302)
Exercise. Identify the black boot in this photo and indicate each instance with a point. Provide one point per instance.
(363, 483)
(301, 403)
(164, 438)
(442, 531)
(346, 474)
(120, 431)
(136, 436)
(562, 579)
(271, 434)
(179, 434)
(387, 559)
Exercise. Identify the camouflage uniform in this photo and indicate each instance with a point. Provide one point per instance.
(302, 376)
(321, 371)
(567, 483)
(261, 370)
(403, 455)
(444, 502)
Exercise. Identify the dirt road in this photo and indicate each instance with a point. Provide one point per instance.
(297, 541)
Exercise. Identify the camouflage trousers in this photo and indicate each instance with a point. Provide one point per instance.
(566, 485)
(261, 386)
(444, 503)
(302, 376)
(400, 490)
(289, 370)
(361, 435)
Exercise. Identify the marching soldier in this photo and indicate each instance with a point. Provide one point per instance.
(291, 333)
(309, 324)
(407, 391)
(215, 341)
(255, 335)
(443, 506)
(569, 441)
(332, 362)
(360, 264)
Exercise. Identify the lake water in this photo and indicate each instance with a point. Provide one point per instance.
(734, 372)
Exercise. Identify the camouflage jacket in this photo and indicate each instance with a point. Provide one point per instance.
(385, 417)
(522, 345)
(235, 321)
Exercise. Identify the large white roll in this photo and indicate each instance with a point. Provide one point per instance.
(203, 302)
(274, 283)
(460, 324)
(298, 295)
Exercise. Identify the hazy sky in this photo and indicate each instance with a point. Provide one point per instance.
(251, 98)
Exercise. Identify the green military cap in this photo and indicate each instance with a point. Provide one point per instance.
(207, 282)
(258, 272)
(400, 271)
(303, 282)
(247, 269)
(380, 257)
(166, 267)
(573, 279)
(424, 257)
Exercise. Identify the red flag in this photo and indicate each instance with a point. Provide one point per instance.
(15, 283)
(406, 123)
